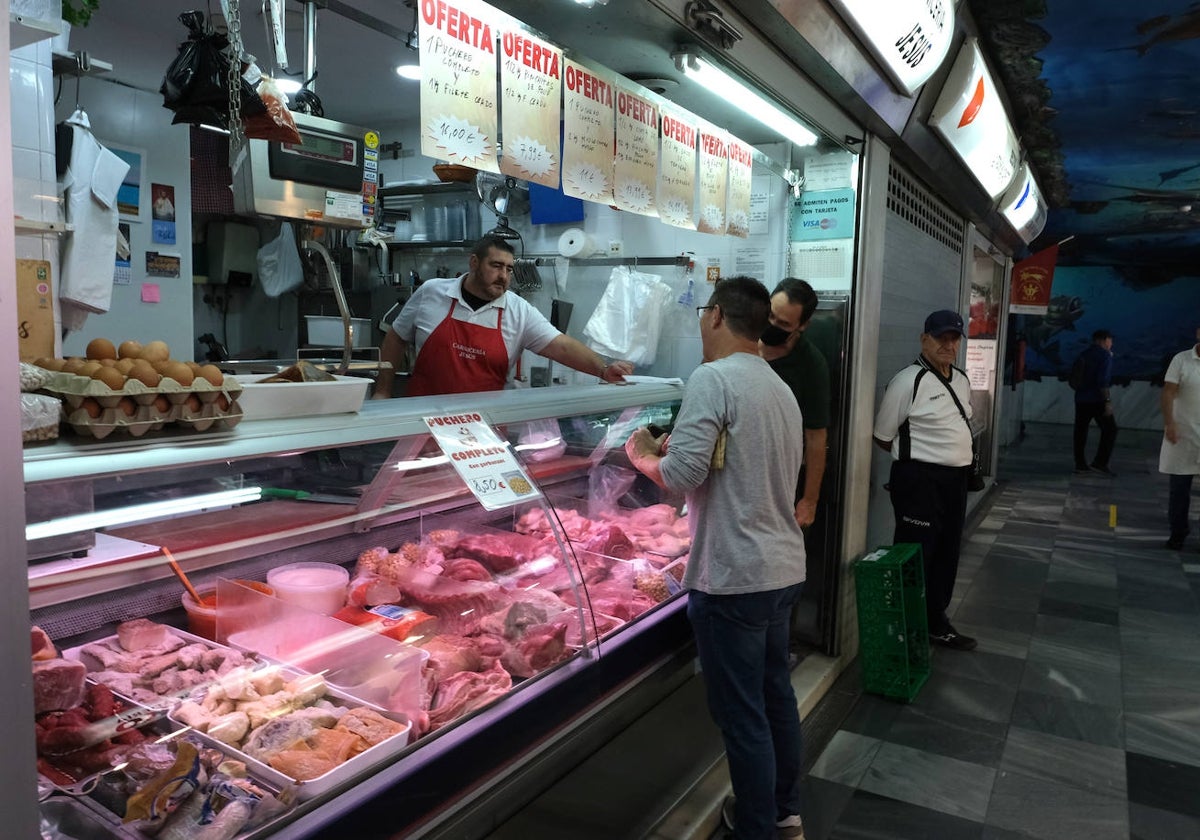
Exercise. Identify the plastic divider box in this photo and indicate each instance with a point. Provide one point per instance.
(892, 627)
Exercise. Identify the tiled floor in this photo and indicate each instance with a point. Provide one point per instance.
(1079, 714)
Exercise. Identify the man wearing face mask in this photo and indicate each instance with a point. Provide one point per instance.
(800, 364)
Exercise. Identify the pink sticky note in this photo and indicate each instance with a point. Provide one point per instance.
(150, 293)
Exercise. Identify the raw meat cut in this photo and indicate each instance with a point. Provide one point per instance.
(539, 647)
(498, 552)
(467, 691)
(58, 684)
(142, 633)
(43, 648)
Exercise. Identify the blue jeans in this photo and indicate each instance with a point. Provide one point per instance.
(1178, 503)
(742, 642)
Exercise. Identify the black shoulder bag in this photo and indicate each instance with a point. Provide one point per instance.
(975, 481)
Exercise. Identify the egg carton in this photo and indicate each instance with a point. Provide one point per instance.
(137, 419)
(75, 389)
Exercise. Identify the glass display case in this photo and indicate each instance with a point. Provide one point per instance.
(365, 625)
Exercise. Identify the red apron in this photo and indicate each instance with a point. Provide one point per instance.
(459, 357)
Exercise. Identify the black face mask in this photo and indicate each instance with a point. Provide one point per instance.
(773, 336)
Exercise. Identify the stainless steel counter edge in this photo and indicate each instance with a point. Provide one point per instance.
(377, 420)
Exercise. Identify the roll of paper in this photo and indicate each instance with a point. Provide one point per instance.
(575, 243)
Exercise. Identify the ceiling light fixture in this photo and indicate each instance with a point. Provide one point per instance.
(752, 103)
(409, 71)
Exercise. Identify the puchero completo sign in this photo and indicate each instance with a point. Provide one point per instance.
(483, 459)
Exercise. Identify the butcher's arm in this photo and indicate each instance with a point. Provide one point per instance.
(393, 351)
(814, 471)
(885, 445)
(575, 354)
(1167, 403)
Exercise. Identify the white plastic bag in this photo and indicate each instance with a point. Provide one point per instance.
(628, 318)
(279, 266)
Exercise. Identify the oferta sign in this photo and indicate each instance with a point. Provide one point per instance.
(910, 38)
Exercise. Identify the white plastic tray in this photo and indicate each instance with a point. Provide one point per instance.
(271, 400)
(345, 771)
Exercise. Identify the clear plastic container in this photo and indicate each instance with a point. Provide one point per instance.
(320, 587)
(202, 617)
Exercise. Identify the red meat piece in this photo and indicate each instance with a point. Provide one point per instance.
(467, 691)
(608, 540)
(57, 684)
(464, 568)
(498, 552)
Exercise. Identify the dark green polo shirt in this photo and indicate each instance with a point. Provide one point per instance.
(806, 373)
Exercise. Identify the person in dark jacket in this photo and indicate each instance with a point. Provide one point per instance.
(1093, 402)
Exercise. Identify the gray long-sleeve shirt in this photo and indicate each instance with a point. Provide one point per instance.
(742, 517)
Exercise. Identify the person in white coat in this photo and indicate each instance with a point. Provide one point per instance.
(93, 179)
(1179, 457)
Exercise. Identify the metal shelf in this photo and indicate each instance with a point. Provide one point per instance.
(37, 227)
(78, 64)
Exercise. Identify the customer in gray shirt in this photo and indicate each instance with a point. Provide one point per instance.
(734, 452)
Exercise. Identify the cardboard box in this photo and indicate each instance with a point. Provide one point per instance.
(35, 309)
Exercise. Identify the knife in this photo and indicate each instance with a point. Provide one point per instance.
(306, 496)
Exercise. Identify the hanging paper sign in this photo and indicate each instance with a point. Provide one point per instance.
(587, 134)
(676, 193)
(714, 173)
(636, 167)
(741, 164)
(823, 214)
(458, 83)
(483, 459)
(530, 90)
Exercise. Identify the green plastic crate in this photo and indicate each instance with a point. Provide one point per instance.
(893, 634)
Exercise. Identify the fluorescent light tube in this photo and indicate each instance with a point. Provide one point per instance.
(409, 71)
(288, 86)
(139, 513)
(751, 102)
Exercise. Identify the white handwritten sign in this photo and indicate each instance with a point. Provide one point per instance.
(482, 459)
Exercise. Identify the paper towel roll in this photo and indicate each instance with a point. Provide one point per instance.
(575, 243)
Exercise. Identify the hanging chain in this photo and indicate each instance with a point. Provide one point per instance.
(233, 19)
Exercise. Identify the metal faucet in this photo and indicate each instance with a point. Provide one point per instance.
(335, 279)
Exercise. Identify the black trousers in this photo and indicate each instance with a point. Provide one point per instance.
(1085, 413)
(930, 504)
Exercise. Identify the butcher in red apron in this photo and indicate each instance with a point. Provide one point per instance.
(460, 357)
(457, 355)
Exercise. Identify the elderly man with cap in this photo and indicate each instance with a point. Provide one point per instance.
(924, 422)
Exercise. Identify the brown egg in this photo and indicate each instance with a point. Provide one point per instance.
(212, 373)
(180, 372)
(129, 349)
(108, 362)
(222, 402)
(111, 377)
(192, 403)
(101, 348)
(88, 368)
(73, 364)
(127, 406)
(195, 366)
(161, 404)
(92, 407)
(161, 365)
(147, 376)
(125, 366)
(156, 351)
(51, 364)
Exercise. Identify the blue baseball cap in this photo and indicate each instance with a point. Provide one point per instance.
(943, 321)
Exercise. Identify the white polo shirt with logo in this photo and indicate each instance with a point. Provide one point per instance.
(1183, 458)
(938, 433)
(521, 325)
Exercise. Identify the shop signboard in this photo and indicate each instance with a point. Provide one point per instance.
(483, 459)
(676, 189)
(1032, 279)
(458, 82)
(587, 133)
(714, 175)
(1023, 206)
(823, 214)
(637, 149)
(530, 90)
(911, 38)
(971, 119)
(741, 166)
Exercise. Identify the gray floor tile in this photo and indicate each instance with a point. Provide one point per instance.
(978, 665)
(1146, 823)
(958, 695)
(1082, 612)
(1172, 740)
(931, 781)
(986, 615)
(1084, 685)
(954, 736)
(1081, 634)
(823, 805)
(1055, 811)
(871, 817)
(1082, 593)
(1039, 755)
(846, 758)
(872, 716)
(1142, 620)
(1088, 722)
(1053, 651)
(1163, 784)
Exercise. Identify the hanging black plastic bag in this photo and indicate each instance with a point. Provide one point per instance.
(196, 84)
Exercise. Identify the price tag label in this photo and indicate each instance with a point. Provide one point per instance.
(483, 459)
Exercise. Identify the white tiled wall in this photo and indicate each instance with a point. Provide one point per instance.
(35, 196)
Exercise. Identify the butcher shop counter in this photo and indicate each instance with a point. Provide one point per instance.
(383, 488)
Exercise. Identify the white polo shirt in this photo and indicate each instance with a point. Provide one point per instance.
(937, 432)
(521, 326)
(1183, 458)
